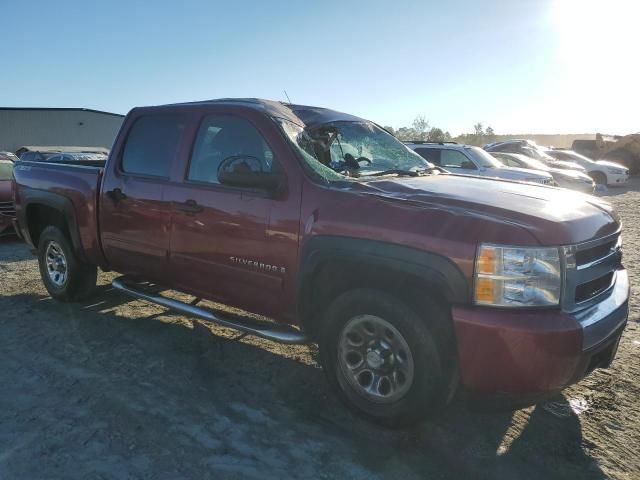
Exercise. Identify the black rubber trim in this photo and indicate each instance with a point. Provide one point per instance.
(428, 266)
(31, 196)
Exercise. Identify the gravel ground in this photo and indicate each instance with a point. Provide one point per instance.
(115, 388)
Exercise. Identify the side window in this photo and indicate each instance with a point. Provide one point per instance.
(152, 144)
(455, 159)
(509, 148)
(430, 154)
(224, 136)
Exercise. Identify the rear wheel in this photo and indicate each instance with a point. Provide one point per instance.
(599, 177)
(383, 359)
(64, 276)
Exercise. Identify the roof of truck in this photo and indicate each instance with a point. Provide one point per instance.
(306, 115)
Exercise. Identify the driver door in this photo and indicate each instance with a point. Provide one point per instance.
(222, 246)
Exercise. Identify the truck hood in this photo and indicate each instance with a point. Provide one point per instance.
(553, 216)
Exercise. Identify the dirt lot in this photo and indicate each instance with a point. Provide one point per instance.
(115, 388)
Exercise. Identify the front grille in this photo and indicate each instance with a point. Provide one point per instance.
(8, 209)
(593, 288)
(592, 254)
(590, 271)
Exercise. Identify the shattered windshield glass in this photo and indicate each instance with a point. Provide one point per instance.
(352, 150)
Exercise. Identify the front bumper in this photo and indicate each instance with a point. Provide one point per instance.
(535, 353)
(617, 179)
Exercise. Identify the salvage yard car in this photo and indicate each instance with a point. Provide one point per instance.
(563, 178)
(470, 160)
(416, 283)
(603, 172)
(531, 149)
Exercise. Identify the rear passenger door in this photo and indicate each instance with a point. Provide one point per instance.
(135, 218)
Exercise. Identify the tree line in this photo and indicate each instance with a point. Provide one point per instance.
(421, 130)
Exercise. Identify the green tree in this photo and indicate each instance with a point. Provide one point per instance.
(437, 135)
(421, 127)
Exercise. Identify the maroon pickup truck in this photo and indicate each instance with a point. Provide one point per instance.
(416, 283)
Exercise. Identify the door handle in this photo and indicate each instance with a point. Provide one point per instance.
(116, 195)
(189, 207)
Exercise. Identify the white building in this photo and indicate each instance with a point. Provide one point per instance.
(57, 126)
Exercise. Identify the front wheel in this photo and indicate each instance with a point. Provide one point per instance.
(65, 277)
(599, 178)
(383, 359)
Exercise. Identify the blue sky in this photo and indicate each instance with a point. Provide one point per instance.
(534, 66)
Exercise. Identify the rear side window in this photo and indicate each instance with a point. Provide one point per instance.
(455, 159)
(224, 136)
(430, 154)
(152, 144)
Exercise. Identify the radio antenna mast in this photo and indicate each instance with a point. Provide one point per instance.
(287, 95)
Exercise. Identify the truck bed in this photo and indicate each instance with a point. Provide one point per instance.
(72, 185)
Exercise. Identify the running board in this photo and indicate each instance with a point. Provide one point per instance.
(270, 331)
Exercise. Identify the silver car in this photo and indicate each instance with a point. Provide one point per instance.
(571, 179)
(470, 160)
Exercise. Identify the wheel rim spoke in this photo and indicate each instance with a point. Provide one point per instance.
(375, 359)
(56, 264)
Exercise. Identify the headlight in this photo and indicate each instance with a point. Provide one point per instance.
(615, 171)
(517, 277)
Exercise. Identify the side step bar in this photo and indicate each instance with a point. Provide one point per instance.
(270, 331)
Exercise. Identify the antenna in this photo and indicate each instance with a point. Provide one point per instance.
(287, 95)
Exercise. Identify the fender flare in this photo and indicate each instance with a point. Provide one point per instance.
(431, 267)
(55, 201)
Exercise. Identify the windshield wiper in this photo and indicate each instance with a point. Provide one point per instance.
(403, 173)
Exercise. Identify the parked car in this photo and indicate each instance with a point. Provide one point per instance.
(35, 156)
(469, 160)
(621, 149)
(42, 153)
(603, 172)
(531, 149)
(416, 283)
(571, 179)
(7, 209)
(12, 157)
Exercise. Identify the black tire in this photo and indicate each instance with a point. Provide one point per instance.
(599, 177)
(80, 280)
(430, 388)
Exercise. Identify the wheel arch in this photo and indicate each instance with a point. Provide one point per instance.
(331, 265)
(42, 209)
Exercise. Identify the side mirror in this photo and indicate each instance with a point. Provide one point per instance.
(246, 171)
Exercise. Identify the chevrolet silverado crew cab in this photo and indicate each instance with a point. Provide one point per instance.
(416, 283)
